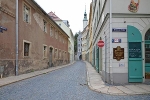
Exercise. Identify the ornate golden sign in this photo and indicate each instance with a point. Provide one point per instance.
(118, 53)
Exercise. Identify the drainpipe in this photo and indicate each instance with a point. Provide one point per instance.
(16, 38)
(110, 23)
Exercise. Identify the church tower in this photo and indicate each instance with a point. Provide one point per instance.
(85, 21)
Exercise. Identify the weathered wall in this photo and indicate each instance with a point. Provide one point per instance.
(7, 43)
(31, 32)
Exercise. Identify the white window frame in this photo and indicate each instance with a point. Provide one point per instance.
(26, 11)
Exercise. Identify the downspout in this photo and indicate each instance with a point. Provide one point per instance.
(16, 38)
(110, 23)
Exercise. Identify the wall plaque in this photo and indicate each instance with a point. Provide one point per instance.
(118, 53)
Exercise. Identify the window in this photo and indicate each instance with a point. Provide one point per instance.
(44, 22)
(56, 34)
(44, 51)
(59, 54)
(63, 40)
(51, 31)
(26, 13)
(55, 53)
(26, 49)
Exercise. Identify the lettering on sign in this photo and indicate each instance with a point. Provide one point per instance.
(118, 53)
(119, 30)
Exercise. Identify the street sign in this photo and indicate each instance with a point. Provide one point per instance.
(100, 43)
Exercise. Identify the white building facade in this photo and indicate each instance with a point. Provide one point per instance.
(124, 26)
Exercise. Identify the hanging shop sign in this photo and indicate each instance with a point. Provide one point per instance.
(118, 53)
(119, 30)
(116, 40)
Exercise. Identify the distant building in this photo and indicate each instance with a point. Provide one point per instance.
(64, 24)
(82, 39)
(79, 46)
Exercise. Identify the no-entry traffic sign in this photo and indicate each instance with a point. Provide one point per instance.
(100, 43)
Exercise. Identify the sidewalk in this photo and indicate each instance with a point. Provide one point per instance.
(96, 83)
(13, 79)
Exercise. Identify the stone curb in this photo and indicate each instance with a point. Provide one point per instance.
(33, 74)
(110, 93)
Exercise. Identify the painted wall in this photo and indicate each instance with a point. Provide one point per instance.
(121, 6)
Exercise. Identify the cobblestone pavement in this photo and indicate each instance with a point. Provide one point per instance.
(68, 83)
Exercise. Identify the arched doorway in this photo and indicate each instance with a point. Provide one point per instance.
(50, 57)
(147, 54)
(80, 57)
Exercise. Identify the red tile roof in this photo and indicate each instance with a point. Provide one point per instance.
(53, 16)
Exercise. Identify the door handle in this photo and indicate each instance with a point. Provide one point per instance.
(135, 69)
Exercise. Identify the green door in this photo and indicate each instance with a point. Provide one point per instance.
(97, 59)
(135, 66)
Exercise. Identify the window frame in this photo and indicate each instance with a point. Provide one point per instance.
(44, 51)
(44, 26)
(24, 13)
(29, 50)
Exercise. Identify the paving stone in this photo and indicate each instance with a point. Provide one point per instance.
(143, 86)
(136, 88)
(125, 90)
(114, 90)
(68, 83)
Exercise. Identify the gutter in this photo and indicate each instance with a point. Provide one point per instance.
(110, 26)
(16, 71)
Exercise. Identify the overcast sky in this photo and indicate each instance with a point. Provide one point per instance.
(71, 10)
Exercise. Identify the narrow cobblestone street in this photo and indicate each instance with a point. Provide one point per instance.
(68, 83)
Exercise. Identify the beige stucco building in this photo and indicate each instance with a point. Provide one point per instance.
(64, 24)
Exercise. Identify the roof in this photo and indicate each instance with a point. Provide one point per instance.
(53, 16)
(49, 16)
